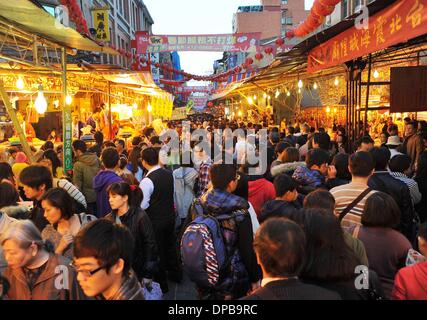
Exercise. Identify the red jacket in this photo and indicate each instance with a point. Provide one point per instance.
(411, 283)
(260, 191)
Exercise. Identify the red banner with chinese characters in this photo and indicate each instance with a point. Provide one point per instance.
(400, 22)
(243, 42)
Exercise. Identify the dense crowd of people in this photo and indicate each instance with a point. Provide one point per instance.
(326, 220)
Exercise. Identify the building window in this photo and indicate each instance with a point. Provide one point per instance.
(357, 5)
(344, 8)
(120, 6)
(126, 10)
(50, 9)
(284, 1)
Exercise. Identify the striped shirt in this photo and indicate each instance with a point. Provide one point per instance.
(346, 194)
(412, 185)
(71, 190)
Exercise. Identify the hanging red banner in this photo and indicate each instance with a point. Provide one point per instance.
(243, 42)
(191, 89)
(400, 22)
(173, 83)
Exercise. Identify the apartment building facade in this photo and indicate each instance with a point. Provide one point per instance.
(125, 18)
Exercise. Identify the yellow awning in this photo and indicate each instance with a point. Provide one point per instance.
(27, 16)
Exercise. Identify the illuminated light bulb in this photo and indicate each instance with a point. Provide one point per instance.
(68, 99)
(135, 106)
(335, 110)
(376, 74)
(277, 93)
(299, 90)
(20, 83)
(56, 104)
(265, 95)
(250, 101)
(40, 104)
(315, 86)
(336, 82)
(149, 108)
(300, 84)
(269, 97)
(254, 97)
(328, 109)
(240, 113)
(288, 93)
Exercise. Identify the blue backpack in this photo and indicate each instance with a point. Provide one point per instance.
(203, 250)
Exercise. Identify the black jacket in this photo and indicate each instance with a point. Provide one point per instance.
(146, 255)
(292, 289)
(421, 207)
(36, 215)
(383, 181)
(280, 208)
(348, 291)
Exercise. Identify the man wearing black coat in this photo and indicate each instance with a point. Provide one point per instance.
(280, 250)
(383, 181)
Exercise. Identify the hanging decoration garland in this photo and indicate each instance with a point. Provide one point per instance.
(320, 9)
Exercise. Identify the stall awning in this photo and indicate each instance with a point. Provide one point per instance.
(141, 82)
(33, 19)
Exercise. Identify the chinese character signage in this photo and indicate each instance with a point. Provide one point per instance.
(244, 42)
(68, 138)
(398, 23)
(100, 24)
(191, 89)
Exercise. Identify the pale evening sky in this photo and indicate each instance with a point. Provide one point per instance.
(197, 17)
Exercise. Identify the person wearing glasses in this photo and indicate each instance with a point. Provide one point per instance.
(103, 254)
(34, 272)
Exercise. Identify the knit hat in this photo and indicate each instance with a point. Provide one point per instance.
(21, 157)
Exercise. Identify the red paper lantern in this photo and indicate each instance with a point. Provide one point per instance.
(280, 42)
(249, 61)
(259, 56)
(157, 65)
(322, 10)
(210, 104)
(290, 34)
(330, 2)
(306, 28)
(268, 50)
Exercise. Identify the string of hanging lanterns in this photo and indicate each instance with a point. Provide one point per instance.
(316, 17)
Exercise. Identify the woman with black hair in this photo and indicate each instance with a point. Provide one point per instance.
(386, 248)
(135, 164)
(125, 201)
(57, 170)
(242, 190)
(64, 224)
(340, 161)
(330, 262)
(9, 202)
(6, 173)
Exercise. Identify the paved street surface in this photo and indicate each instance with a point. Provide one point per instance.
(182, 291)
